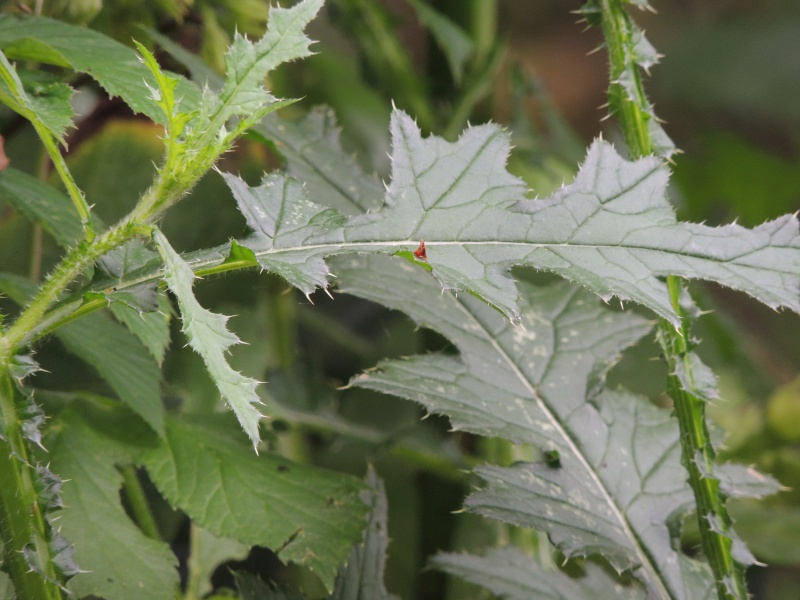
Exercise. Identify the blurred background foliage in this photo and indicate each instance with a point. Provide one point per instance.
(728, 89)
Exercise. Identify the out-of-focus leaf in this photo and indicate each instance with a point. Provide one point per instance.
(304, 514)
(41, 204)
(210, 338)
(207, 552)
(86, 443)
(129, 151)
(362, 576)
(453, 40)
(251, 587)
(612, 230)
(783, 411)
(122, 360)
(511, 574)
(718, 67)
(116, 67)
(771, 531)
(724, 176)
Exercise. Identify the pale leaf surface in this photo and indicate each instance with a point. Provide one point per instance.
(620, 483)
(314, 155)
(510, 574)
(362, 576)
(612, 230)
(209, 336)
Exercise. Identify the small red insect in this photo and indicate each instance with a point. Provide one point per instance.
(420, 253)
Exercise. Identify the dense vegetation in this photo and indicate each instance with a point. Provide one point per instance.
(536, 295)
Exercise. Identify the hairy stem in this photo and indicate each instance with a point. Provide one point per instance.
(22, 524)
(137, 500)
(630, 105)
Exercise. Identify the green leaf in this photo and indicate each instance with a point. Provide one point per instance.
(210, 338)
(152, 328)
(117, 355)
(143, 309)
(85, 444)
(612, 230)
(208, 552)
(620, 486)
(362, 576)
(511, 574)
(42, 204)
(310, 146)
(115, 67)
(248, 63)
(37, 95)
(121, 360)
(304, 514)
(453, 40)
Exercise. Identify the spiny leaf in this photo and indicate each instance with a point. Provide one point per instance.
(619, 487)
(314, 155)
(510, 574)
(247, 63)
(612, 229)
(210, 338)
(452, 39)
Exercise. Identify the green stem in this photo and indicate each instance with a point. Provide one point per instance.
(22, 523)
(73, 191)
(77, 260)
(697, 453)
(137, 500)
(618, 31)
(697, 456)
(477, 86)
(390, 61)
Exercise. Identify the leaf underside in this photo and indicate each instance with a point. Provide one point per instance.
(210, 338)
(620, 489)
(512, 575)
(611, 230)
